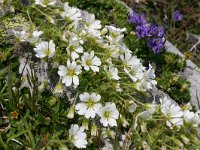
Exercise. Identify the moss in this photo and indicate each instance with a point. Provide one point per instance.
(177, 87)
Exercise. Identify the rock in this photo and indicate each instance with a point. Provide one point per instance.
(190, 73)
(193, 77)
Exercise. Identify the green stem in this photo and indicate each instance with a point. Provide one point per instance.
(156, 139)
(29, 17)
(30, 136)
(3, 144)
(135, 99)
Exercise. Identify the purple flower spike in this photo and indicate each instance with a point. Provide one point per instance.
(152, 32)
(156, 44)
(157, 31)
(138, 19)
(142, 31)
(177, 16)
(134, 18)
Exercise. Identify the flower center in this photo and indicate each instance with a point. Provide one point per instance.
(106, 114)
(132, 72)
(47, 52)
(88, 62)
(90, 103)
(72, 48)
(71, 72)
(110, 74)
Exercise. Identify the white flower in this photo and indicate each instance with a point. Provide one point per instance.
(115, 31)
(115, 35)
(89, 106)
(71, 13)
(69, 73)
(35, 36)
(147, 82)
(172, 113)
(132, 66)
(44, 49)
(92, 26)
(188, 115)
(130, 61)
(109, 114)
(134, 73)
(90, 61)
(112, 50)
(112, 72)
(20, 35)
(73, 49)
(77, 136)
(44, 3)
(192, 117)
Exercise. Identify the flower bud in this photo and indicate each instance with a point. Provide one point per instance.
(124, 121)
(143, 127)
(71, 112)
(52, 101)
(132, 107)
(42, 86)
(188, 106)
(184, 138)
(94, 130)
(58, 89)
(145, 145)
(178, 142)
(104, 31)
(85, 124)
(118, 89)
(50, 19)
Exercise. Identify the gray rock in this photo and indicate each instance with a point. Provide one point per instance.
(190, 73)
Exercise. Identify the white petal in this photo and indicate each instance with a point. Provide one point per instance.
(95, 68)
(67, 80)
(112, 122)
(75, 80)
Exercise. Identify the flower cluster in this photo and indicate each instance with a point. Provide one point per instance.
(144, 29)
(176, 116)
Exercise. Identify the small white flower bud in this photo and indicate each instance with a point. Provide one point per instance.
(71, 112)
(185, 139)
(85, 124)
(104, 31)
(58, 89)
(94, 130)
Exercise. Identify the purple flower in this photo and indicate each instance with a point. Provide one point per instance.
(177, 15)
(160, 31)
(153, 32)
(156, 44)
(138, 19)
(156, 30)
(143, 31)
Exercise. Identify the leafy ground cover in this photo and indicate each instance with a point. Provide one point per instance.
(67, 81)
